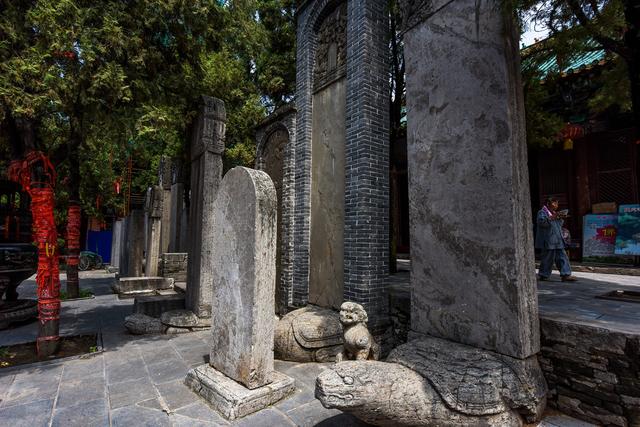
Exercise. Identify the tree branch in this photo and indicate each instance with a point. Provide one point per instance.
(607, 42)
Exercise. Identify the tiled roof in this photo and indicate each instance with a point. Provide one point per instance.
(578, 62)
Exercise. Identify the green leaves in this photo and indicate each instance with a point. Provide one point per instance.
(111, 80)
(583, 34)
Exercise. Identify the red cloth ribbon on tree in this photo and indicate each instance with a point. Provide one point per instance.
(73, 234)
(44, 233)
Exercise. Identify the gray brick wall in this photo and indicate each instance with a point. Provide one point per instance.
(283, 118)
(366, 241)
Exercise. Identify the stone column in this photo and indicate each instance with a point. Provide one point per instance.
(207, 146)
(240, 377)
(473, 277)
(132, 256)
(123, 259)
(165, 183)
(116, 243)
(154, 231)
(178, 231)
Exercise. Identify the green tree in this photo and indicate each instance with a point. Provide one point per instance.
(579, 26)
(275, 63)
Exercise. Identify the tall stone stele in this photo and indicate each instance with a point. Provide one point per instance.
(164, 181)
(474, 313)
(240, 378)
(207, 146)
(116, 246)
(153, 244)
(132, 246)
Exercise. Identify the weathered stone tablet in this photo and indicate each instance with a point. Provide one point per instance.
(243, 256)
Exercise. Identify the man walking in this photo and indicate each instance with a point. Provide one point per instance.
(549, 241)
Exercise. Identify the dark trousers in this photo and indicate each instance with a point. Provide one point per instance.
(550, 256)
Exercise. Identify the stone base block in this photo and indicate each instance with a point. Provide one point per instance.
(141, 324)
(179, 318)
(155, 305)
(230, 398)
(131, 286)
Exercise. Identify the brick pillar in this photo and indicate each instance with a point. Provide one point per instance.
(366, 234)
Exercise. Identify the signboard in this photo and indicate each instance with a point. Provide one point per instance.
(599, 235)
(628, 237)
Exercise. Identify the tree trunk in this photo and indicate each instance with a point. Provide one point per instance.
(632, 42)
(48, 277)
(73, 249)
(397, 71)
(73, 213)
(36, 175)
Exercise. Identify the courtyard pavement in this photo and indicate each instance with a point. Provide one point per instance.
(137, 381)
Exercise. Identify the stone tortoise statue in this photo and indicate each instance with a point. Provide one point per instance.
(314, 334)
(434, 382)
(309, 334)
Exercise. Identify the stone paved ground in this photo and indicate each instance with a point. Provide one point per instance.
(577, 301)
(138, 381)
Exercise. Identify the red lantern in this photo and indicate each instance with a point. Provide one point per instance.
(117, 185)
(569, 133)
(572, 131)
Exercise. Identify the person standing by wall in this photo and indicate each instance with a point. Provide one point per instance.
(550, 242)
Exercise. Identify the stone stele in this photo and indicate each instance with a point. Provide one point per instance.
(240, 378)
(473, 277)
(207, 147)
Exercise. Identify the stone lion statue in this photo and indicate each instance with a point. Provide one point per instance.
(358, 341)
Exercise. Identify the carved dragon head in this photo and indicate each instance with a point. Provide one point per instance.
(347, 385)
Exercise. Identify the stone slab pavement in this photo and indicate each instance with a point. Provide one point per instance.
(577, 301)
(138, 381)
(571, 301)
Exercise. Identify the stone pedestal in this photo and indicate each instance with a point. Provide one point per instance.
(131, 286)
(233, 400)
(240, 378)
(155, 305)
(207, 147)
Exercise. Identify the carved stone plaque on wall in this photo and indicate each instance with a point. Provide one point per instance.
(331, 50)
(273, 158)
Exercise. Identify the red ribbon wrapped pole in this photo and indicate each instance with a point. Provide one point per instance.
(46, 238)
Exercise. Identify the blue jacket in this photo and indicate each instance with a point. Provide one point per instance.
(548, 232)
